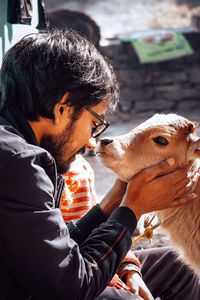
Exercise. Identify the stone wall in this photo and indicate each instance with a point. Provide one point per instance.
(170, 86)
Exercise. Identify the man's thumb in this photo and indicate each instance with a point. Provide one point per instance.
(160, 168)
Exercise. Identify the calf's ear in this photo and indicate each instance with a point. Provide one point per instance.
(193, 151)
(197, 148)
(190, 127)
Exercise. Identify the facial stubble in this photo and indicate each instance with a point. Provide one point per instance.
(58, 146)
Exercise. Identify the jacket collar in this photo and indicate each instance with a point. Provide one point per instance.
(19, 122)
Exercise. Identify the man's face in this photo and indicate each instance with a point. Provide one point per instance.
(73, 138)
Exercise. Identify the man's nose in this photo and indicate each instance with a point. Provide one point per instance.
(91, 143)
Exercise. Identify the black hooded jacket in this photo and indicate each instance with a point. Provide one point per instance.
(40, 256)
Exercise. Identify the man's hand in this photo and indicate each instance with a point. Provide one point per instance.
(150, 190)
(137, 285)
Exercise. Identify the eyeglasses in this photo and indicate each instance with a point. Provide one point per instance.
(100, 127)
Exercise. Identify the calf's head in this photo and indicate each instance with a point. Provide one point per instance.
(159, 137)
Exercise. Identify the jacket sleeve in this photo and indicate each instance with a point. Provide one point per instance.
(131, 258)
(36, 246)
(80, 230)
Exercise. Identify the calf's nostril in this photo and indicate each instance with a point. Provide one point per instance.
(106, 142)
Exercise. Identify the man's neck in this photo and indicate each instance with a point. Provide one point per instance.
(40, 128)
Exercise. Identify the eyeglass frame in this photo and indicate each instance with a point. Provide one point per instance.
(106, 123)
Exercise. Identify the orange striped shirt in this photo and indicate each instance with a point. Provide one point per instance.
(79, 193)
(79, 196)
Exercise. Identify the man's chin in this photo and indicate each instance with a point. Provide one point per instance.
(72, 158)
(64, 167)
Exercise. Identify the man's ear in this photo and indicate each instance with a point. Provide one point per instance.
(60, 108)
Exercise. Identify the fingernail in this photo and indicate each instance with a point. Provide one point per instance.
(171, 161)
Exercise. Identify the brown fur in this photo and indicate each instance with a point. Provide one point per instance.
(128, 154)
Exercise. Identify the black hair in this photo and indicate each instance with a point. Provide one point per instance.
(38, 71)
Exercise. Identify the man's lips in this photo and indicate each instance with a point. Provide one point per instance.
(73, 157)
(81, 151)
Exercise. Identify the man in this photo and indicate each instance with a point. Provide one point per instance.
(55, 91)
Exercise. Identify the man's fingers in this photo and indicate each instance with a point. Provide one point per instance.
(159, 169)
(183, 183)
(182, 188)
(183, 191)
(193, 182)
(169, 179)
(179, 182)
(180, 174)
(181, 179)
(184, 200)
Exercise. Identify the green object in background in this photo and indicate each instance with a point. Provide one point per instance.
(160, 46)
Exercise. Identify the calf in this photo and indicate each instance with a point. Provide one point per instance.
(160, 137)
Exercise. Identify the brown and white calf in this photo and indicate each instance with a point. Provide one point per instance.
(160, 137)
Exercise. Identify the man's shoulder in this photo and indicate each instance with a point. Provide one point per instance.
(13, 144)
(24, 166)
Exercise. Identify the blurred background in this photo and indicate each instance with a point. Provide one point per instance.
(164, 85)
(115, 17)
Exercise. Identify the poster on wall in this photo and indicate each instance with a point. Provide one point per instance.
(157, 46)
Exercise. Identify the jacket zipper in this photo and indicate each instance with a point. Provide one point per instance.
(60, 189)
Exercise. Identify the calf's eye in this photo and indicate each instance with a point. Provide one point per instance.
(161, 140)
